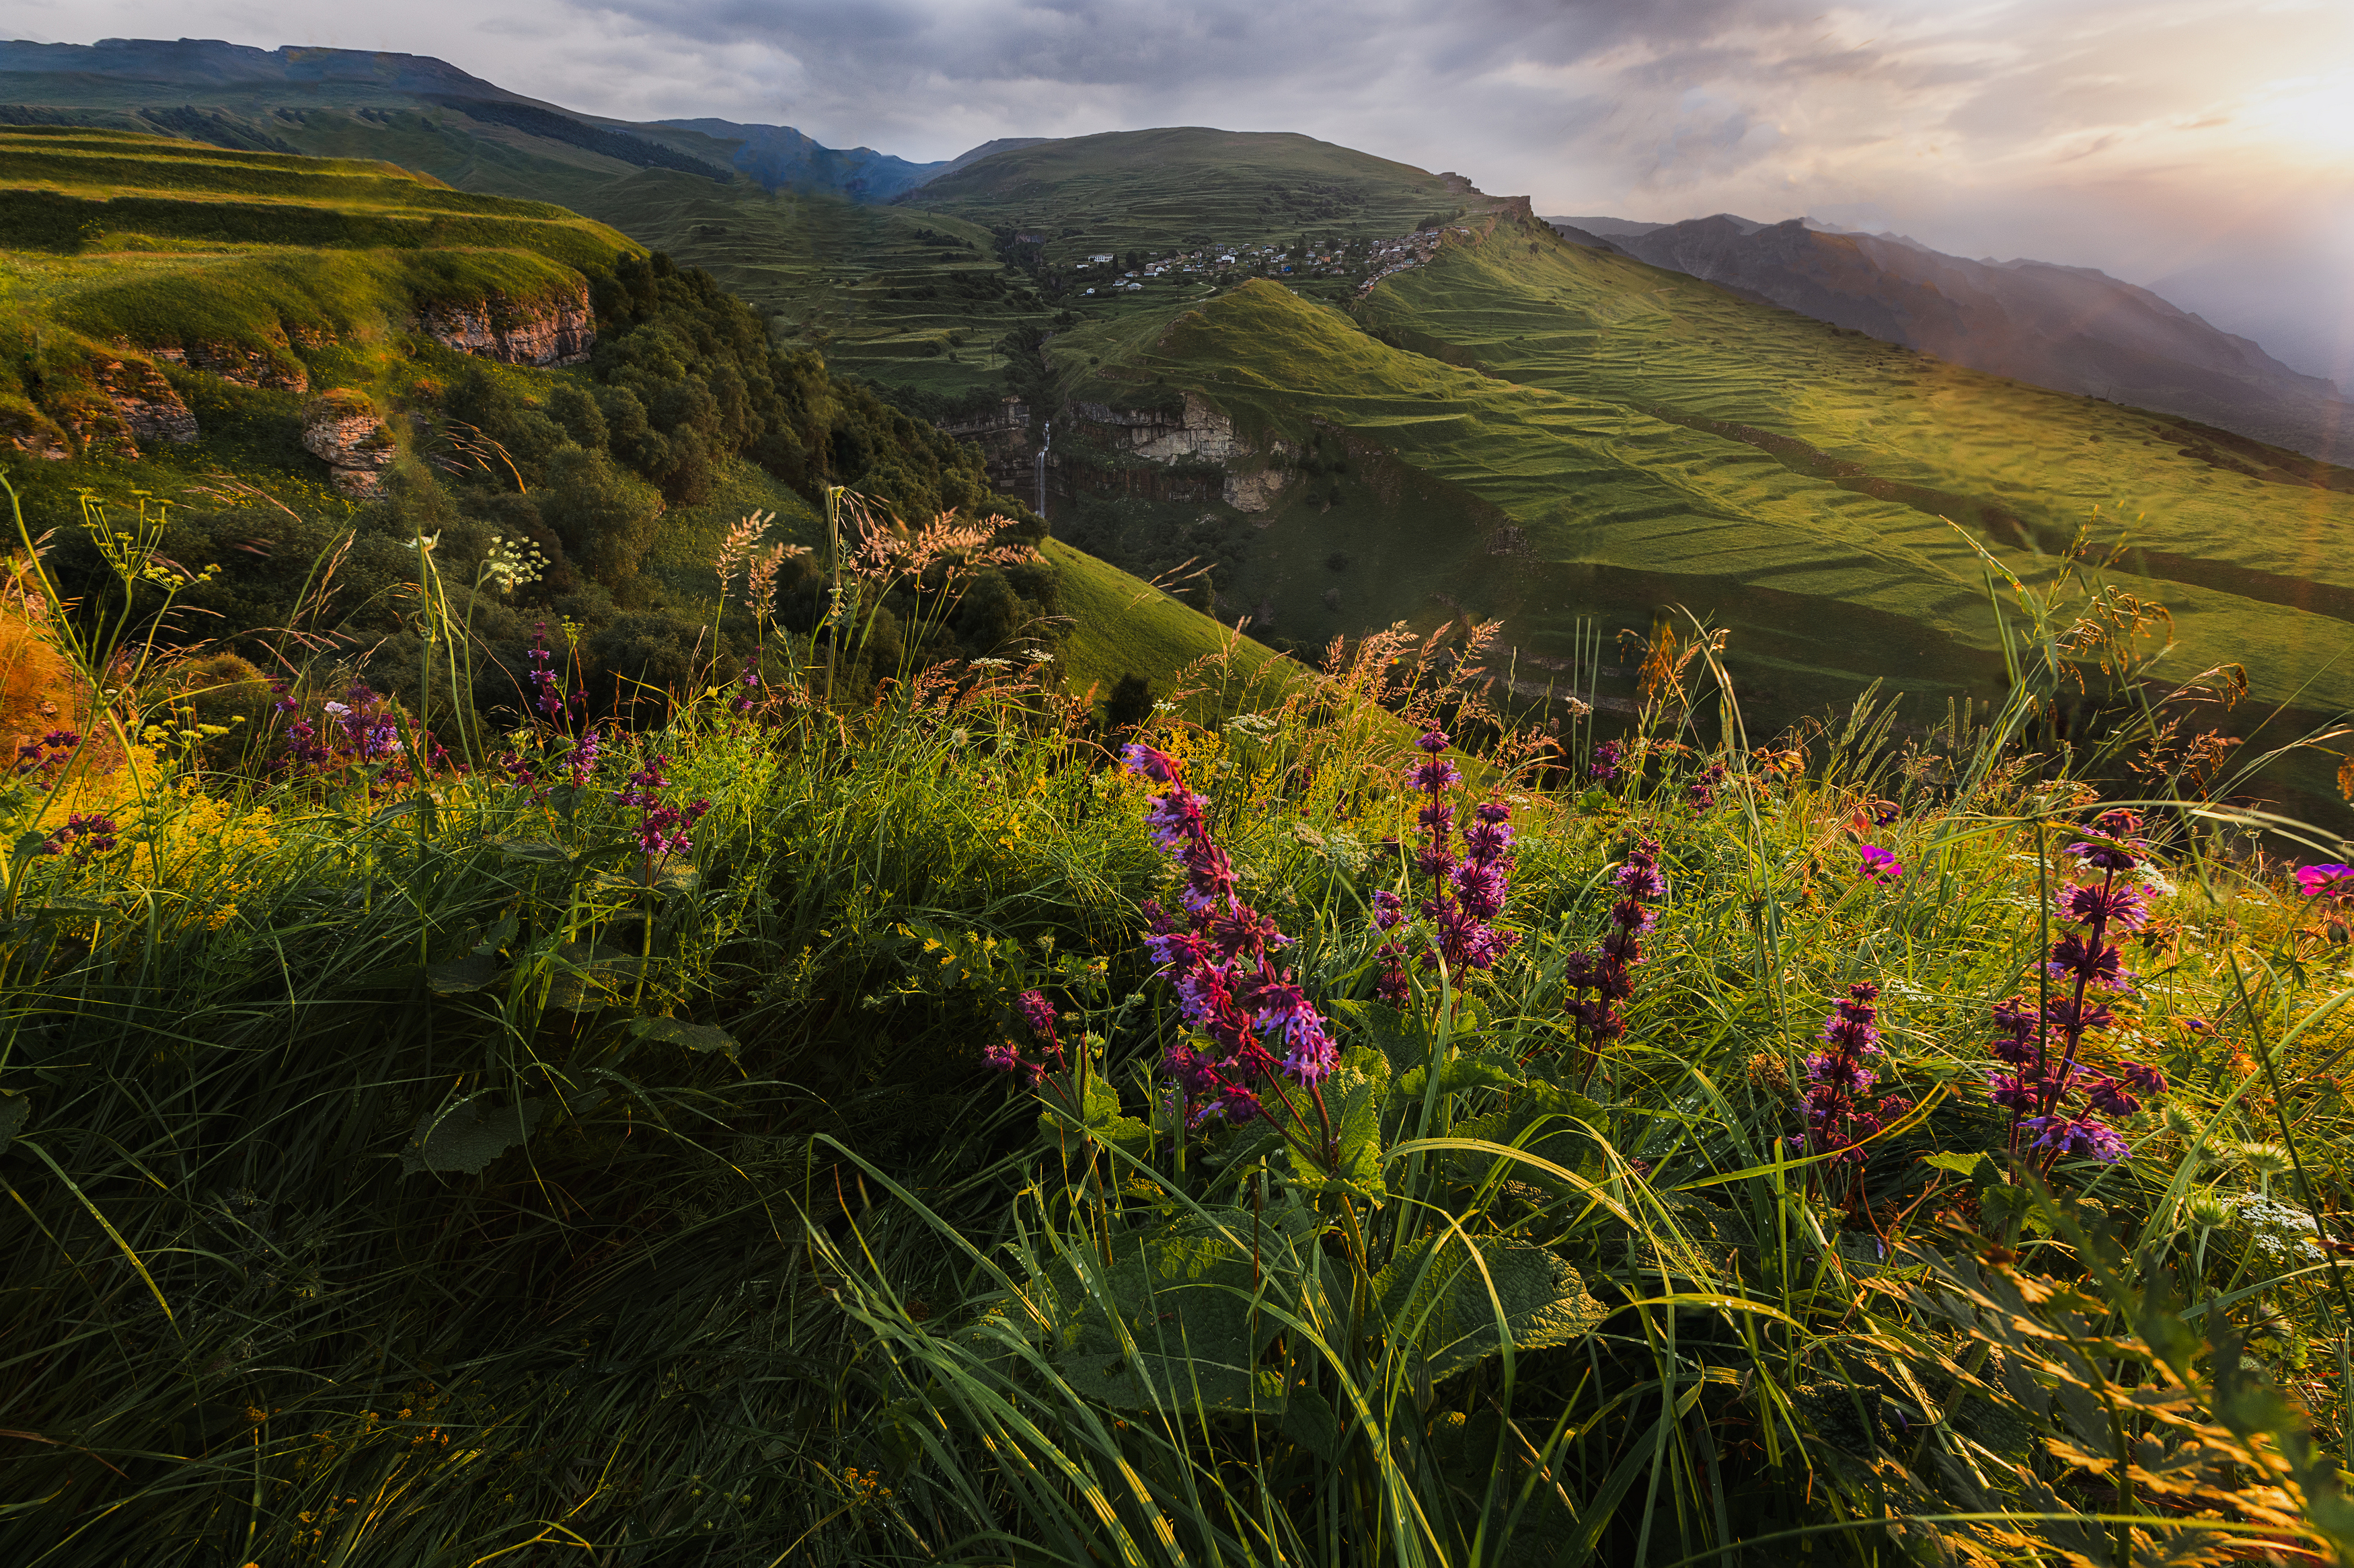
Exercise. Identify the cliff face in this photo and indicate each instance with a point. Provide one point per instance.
(2068, 328)
(1196, 434)
(150, 409)
(559, 330)
(343, 431)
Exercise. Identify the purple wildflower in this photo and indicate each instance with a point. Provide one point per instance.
(1388, 909)
(82, 836)
(1608, 971)
(1838, 1121)
(748, 687)
(2330, 881)
(2086, 961)
(663, 828)
(1220, 961)
(1881, 865)
(1605, 766)
(581, 767)
(546, 693)
(1701, 790)
(2083, 1136)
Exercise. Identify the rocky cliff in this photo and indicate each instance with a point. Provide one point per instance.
(1192, 433)
(559, 329)
(342, 429)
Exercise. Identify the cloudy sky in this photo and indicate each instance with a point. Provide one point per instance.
(2204, 147)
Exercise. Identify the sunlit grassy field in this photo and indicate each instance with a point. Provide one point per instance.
(418, 1165)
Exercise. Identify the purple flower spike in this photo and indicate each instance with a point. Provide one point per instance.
(2084, 1135)
(1881, 865)
(1148, 762)
(1388, 909)
(1432, 741)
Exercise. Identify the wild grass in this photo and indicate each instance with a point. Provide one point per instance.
(476, 1184)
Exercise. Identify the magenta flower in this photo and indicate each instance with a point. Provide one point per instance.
(1220, 962)
(2082, 1136)
(1837, 1119)
(1881, 865)
(2331, 880)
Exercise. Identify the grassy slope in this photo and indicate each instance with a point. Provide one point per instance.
(1190, 186)
(270, 296)
(1567, 495)
(2253, 568)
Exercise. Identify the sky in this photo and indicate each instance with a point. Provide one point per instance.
(2202, 147)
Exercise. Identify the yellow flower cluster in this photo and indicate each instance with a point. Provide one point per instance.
(176, 838)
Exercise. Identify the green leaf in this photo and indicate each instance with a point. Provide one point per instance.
(462, 1139)
(678, 1031)
(1487, 1070)
(1100, 1116)
(536, 851)
(1976, 1164)
(470, 971)
(1176, 1318)
(1352, 1094)
(1454, 1301)
(1400, 1037)
(14, 1108)
(1310, 1421)
(586, 977)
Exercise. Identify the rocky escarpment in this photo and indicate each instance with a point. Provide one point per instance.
(344, 430)
(558, 329)
(149, 407)
(1192, 433)
(274, 368)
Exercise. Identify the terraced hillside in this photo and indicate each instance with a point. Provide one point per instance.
(1523, 428)
(1189, 186)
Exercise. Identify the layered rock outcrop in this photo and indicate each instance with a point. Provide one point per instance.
(272, 368)
(559, 329)
(344, 430)
(149, 407)
(1193, 433)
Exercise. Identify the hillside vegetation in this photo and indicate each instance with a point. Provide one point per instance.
(771, 1133)
(1621, 440)
(1190, 186)
(574, 431)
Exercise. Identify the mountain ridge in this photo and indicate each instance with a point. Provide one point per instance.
(2070, 329)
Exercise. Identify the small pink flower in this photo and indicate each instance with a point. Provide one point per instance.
(2331, 880)
(1879, 865)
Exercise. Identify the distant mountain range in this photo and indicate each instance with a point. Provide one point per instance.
(2073, 329)
(206, 89)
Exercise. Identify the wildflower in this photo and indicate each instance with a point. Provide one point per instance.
(581, 766)
(1388, 909)
(1701, 790)
(546, 693)
(2086, 961)
(748, 684)
(1837, 1119)
(2082, 1136)
(1605, 766)
(2331, 880)
(1608, 971)
(1220, 963)
(1881, 865)
(663, 828)
(83, 836)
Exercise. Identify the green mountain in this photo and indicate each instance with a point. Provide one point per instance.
(1522, 428)
(1190, 187)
